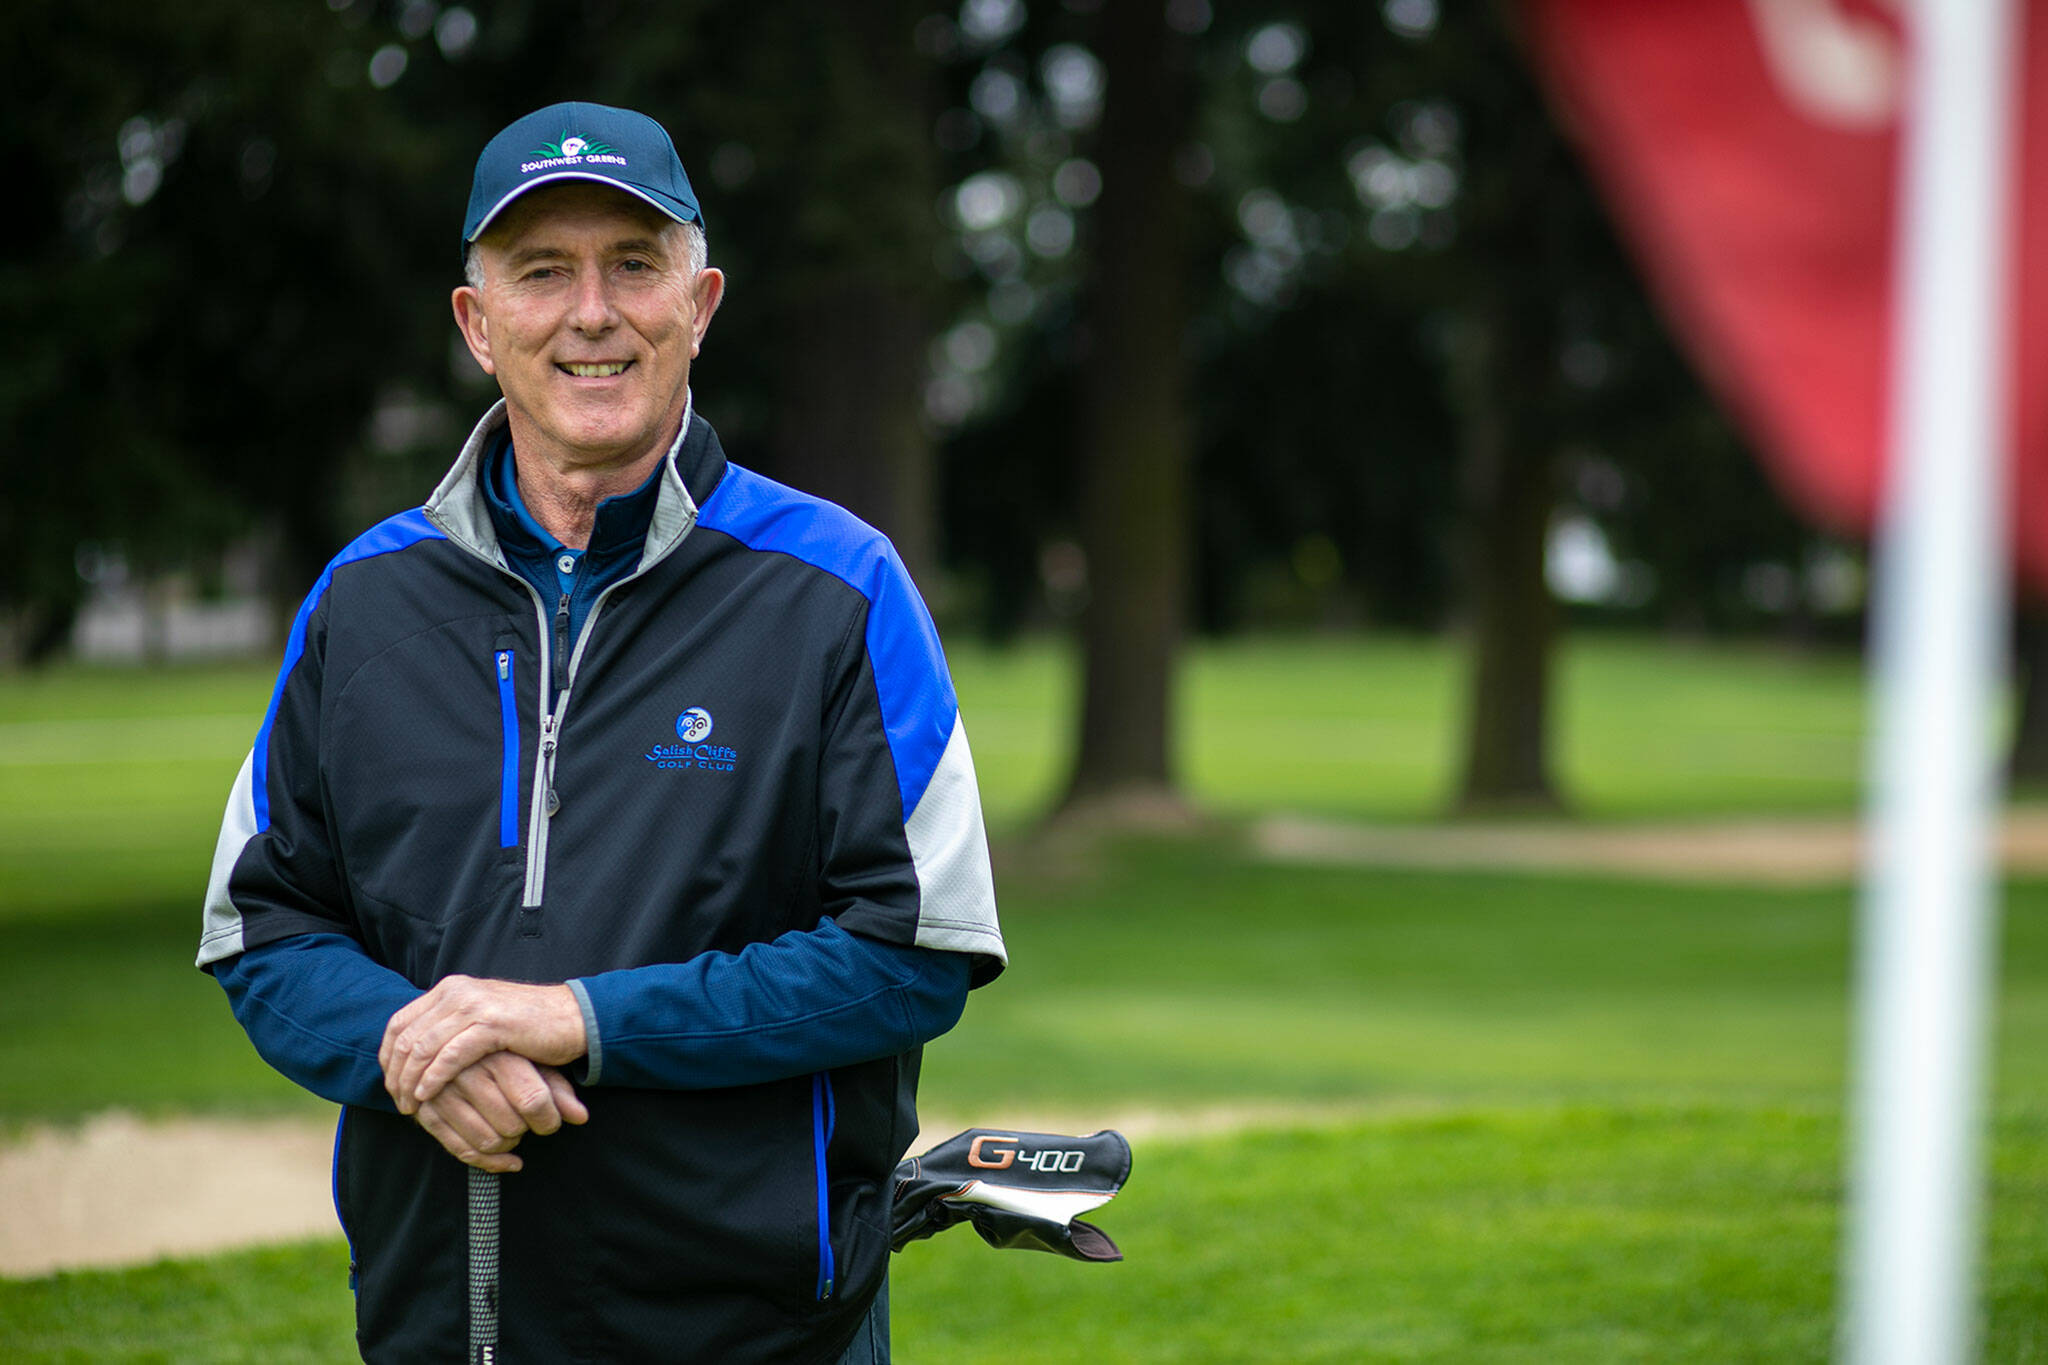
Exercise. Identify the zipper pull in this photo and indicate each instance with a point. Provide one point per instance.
(504, 664)
(550, 801)
(562, 643)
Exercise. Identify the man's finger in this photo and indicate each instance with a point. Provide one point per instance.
(414, 1050)
(424, 1074)
(396, 1052)
(493, 1103)
(567, 1102)
(457, 1128)
(402, 1018)
(460, 1006)
(411, 1038)
(476, 1132)
(519, 1084)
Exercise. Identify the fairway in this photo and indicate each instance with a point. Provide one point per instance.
(1540, 1118)
(114, 779)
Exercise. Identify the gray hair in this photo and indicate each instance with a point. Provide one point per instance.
(695, 248)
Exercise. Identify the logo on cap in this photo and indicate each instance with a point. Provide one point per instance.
(571, 151)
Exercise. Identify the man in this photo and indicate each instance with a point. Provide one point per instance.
(611, 832)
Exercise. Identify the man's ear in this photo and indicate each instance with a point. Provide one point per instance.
(474, 326)
(706, 289)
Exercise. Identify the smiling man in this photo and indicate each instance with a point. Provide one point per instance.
(611, 846)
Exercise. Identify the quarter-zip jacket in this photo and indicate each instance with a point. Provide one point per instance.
(570, 579)
(752, 733)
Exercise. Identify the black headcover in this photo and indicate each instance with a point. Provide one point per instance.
(1018, 1189)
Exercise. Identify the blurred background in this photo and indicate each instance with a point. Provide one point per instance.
(1420, 745)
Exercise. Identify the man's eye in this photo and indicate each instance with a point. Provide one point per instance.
(634, 267)
(545, 272)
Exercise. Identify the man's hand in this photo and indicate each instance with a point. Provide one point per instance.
(465, 1019)
(481, 1114)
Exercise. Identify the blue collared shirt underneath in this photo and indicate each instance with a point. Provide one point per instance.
(562, 576)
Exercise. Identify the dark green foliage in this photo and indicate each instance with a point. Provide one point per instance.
(207, 359)
(198, 277)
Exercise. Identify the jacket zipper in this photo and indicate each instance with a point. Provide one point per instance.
(334, 1187)
(543, 763)
(508, 773)
(824, 1119)
(562, 645)
(560, 666)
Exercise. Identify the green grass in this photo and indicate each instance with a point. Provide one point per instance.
(111, 781)
(1598, 1121)
(1588, 1119)
(288, 1305)
(1558, 1233)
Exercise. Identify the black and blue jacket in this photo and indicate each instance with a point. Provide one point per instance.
(736, 813)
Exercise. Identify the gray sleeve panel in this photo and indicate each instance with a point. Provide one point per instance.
(949, 848)
(220, 934)
(593, 1057)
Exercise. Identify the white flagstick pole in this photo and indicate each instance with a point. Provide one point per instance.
(1928, 905)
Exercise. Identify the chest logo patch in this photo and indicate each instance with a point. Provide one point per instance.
(693, 727)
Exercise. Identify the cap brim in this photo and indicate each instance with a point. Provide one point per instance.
(669, 209)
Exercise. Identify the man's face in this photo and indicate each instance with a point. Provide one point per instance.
(589, 317)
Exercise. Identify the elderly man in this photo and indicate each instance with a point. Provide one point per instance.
(611, 846)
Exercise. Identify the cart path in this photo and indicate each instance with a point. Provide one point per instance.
(1786, 851)
(119, 1190)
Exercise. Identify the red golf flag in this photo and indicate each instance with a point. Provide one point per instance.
(1750, 151)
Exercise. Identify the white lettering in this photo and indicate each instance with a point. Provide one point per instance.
(1048, 1162)
(1832, 66)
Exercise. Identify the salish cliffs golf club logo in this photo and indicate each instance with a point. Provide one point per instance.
(693, 727)
(571, 151)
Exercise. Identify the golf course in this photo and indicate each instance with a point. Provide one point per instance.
(1380, 1113)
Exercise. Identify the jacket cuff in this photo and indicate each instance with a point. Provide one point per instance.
(593, 1057)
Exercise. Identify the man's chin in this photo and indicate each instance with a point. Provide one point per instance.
(594, 443)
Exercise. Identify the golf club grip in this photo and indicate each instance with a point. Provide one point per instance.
(483, 1267)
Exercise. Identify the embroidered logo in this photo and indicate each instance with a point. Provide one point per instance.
(570, 151)
(693, 727)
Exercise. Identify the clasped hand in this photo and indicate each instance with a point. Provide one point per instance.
(474, 1060)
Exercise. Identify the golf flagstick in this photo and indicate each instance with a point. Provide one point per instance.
(1928, 924)
(483, 1267)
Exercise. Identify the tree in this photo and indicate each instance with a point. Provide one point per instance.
(178, 176)
(241, 232)
(1134, 500)
(1515, 244)
(2027, 758)
(813, 128)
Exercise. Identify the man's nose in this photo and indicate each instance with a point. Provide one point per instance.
(592, 309)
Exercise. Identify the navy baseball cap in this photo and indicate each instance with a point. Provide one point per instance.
(578, 141)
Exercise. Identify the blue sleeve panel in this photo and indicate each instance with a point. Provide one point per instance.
(807, 1001)
(919, 706)
(315, 1006)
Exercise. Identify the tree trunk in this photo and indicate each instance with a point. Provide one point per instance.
(1134, 494)
(1506, 390)
(857, 314)
(2028, 760)
(1510, 473)
(849, 424)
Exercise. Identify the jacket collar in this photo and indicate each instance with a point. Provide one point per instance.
(695, 462)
